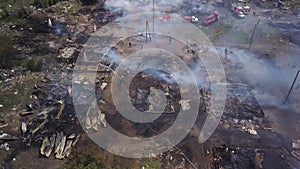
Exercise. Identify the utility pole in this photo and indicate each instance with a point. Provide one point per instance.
(146, 31)
(253, 33)
(153, 19)
(295, 79)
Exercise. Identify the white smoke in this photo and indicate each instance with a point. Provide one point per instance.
(269, 77)
(134, 6)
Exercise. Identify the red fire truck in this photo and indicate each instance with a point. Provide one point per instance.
(165, 18)
(211, 19)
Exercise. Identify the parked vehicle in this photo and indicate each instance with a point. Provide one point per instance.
(239, 12)
(211, 19)
(165, 18)
(237, 9)
(241, 15)
(246, 10)
(191, 18)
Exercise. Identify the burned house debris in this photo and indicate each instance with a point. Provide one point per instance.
(249, 134)
(50, 119)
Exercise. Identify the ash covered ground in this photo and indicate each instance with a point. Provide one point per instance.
(259, 51)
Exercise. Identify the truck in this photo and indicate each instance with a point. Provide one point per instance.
(165, 18)
(246, 10)
(211, 19)
(238, 12)
(191, 18)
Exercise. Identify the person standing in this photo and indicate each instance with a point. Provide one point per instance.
(226, 52)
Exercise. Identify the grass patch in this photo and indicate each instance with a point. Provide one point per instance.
(7, 52)
(34, 65)
(214, 32)
(17, 95)
(237, 36)
(14, 11)
(17, 11)
(6, 3)
(120, 163)
(84, 161)
(151, 163)
(221, 32)
(66, 7)
(89, 162)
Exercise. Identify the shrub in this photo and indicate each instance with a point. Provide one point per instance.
(24, 13)
(34, 65)
(7, 52)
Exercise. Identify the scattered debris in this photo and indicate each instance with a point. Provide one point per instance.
(5, 146)
(259, 157)
(67, 52)
(94, 117)
(4, 125)
(103, 85)
(155, 98)
(23, 127)
(24, 113)
(185, 104)
(252, 131)
(61, 108)
(59, 144)
(296, 144)
(39, 127)
(174, 159)
(55, 127)
(94, 27)
(229, 157)
(296, 155)
(8, 137)
(49, 22)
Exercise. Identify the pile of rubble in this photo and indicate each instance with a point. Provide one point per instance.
(242, 110)
(8, 78)
(59, 144)
(50, 118)
(296, 147)
(94, 118)
(174, 158)
(140, 96)
(230, 158)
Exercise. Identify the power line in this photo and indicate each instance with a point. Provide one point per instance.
(253, 33)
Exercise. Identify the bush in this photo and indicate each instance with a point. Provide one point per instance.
(151, 163)
(4, 14)
(45, 3)
(89, 2)
(34, 65)
(7, 52)
(23, 13)
(84, 161)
